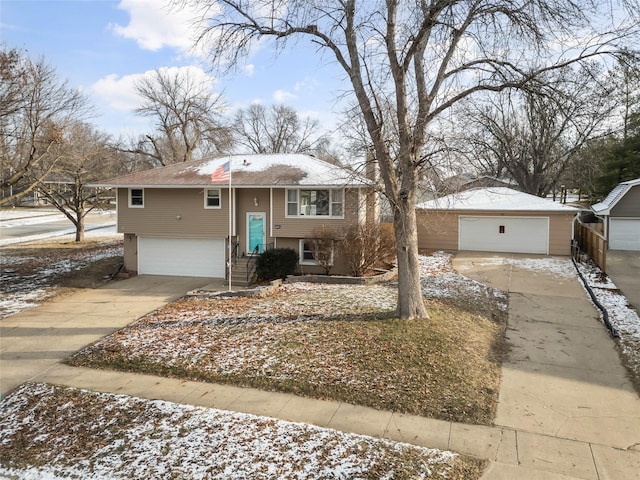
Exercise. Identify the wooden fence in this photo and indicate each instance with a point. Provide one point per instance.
(591, 241)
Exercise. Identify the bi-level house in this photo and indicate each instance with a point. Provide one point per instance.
(188, 219)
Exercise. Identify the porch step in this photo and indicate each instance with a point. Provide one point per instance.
(239, 272)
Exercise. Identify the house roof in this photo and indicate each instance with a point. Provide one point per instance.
(499, 199)
(246, 171)
(604, 207)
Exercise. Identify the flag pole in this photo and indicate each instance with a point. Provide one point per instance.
(230, 225)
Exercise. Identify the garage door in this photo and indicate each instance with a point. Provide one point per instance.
(504, 234)
(624, 234)
(184, 257)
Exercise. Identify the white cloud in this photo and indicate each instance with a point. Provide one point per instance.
(154, 25)
(309, 84)
(120, 93)
(281, 96)
(249, 69)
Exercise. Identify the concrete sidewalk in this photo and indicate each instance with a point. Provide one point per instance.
(566, 409)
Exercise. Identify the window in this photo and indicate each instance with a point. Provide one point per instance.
(136, 197)
(314, 203)
(336, 203)
(316, 252)
(292, 203)
(306, 253)
(212, 198)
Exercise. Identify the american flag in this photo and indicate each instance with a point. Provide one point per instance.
(221, 174)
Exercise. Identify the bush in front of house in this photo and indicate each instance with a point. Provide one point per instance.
(323, 242)
(365, 245)
(276, 263)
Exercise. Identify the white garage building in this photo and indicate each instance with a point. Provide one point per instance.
(620, 213)
(496, 219)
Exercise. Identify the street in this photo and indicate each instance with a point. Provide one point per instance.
(19, 225)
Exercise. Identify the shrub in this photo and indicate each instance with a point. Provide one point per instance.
(365, 245)
(276, 263)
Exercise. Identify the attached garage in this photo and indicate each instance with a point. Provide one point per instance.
(183, 257)
(496, 219)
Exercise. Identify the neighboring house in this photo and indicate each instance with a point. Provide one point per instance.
(467, 181)
(496, 219)
(620, 213)
(178, 220)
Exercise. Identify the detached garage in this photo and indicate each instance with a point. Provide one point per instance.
(620, 213)
(182, 257)
(496, 219)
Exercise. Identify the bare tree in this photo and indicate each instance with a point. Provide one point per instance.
(83, 157)
(534, 136)
(415, 59)
(187, 116)
(277, 129)
(34, 109)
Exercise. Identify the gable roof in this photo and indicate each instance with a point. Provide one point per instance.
(246, 171)
(498, 199)
(604, 207)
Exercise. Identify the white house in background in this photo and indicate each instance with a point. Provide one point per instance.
(496, 219)
(620, 213)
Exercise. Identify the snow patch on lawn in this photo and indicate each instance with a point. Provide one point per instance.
(135, 438)
(20, 292)
(439, 280)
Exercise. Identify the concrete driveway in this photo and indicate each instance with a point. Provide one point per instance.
(35, 340)
(564, 391)
(623, 267)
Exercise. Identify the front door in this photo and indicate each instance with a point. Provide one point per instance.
(255, 232)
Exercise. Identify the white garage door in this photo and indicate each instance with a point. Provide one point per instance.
(183, 257)
(504, 234)
(624, 233)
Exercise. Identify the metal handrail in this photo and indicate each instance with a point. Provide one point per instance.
(234, 253)
(251, 263)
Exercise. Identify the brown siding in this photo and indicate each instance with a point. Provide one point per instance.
(173, 212)
(438, 230)
(629, 205)
(560, 232)
(301, 227)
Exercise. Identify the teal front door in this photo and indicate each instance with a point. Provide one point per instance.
(255, 232)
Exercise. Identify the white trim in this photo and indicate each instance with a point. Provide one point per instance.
(129, 198)
(206, 197)
(271, 213)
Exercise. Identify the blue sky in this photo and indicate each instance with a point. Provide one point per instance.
(103, 46)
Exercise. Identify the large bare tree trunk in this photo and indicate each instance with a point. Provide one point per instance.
(410, 299)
